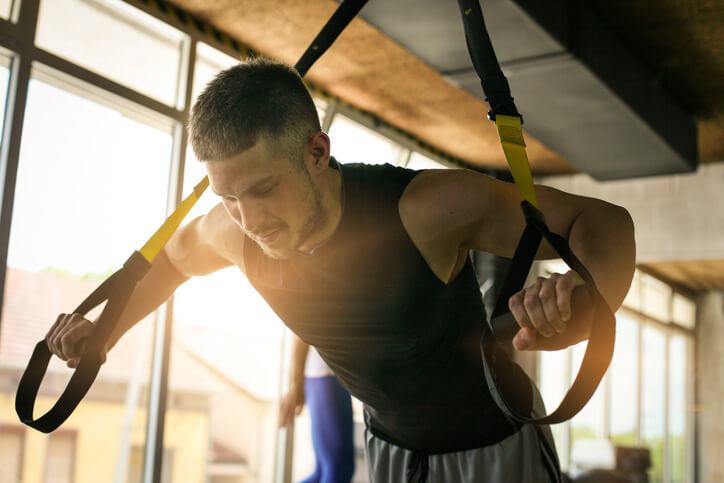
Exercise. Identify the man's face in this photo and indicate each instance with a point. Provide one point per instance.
(275, 203)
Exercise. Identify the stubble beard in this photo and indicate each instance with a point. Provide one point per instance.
(316, 218)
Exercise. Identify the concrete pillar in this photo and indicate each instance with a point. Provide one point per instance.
(710, 387)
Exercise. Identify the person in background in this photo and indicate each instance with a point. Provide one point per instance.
(330, 410)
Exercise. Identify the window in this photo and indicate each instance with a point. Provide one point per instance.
(684, 311)
(6, 8)
(4, 75)
(623, 380)
(12, 442)
(656, 298)
(653, 395)
(678, 437)
(116, 41)
(642, 400)
(354, 143)
(227, 351)
(135, 466)
(60, 457)
(85, 197)
(420, 161)
(209, 62)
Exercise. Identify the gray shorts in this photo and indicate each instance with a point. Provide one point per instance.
(526, 456)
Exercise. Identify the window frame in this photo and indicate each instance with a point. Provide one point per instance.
(17, 42)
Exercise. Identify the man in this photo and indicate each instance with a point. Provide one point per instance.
(369, 264)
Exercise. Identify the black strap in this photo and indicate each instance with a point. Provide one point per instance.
(344, 14)
(595, 360)
(117, 288)
(503, 326)
(495, 85)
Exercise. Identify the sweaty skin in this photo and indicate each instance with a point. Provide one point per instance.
(288, 206)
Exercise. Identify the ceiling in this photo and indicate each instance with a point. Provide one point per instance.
(678, 43)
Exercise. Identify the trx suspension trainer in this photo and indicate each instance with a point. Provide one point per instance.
(117, 289)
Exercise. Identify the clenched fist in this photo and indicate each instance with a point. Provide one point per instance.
(67, 336)
(553, 313)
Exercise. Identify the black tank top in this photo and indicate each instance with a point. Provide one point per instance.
(400, 340)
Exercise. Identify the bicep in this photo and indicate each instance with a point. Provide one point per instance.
(462, 209)
(198, 248)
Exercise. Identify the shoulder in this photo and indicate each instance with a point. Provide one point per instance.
(446, 200)
(207, 243)
(440, 210)
(377, 173)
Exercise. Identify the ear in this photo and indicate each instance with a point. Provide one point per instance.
(318, 152)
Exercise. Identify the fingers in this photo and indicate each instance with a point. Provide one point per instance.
(65, 334)
(284, 413)
(73, 361)
(291, 404)
(528, 307)
(550, 295)
(543, 308)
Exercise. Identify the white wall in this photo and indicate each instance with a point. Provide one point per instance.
(677, 217)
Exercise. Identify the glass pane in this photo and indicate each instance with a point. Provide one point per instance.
(209, 62)
(115, 40)
(420, 161)
(354, 143)
(684, 311)
(321, 106)
(73, 223)
(623, 375)
(5, 8)
(59, 457)
(656, 296)
(678, 444)
(4, 76)
(12, 443)
(232, 363)
(554, 370)
(653, 394)
(633, 297)
(588, 424)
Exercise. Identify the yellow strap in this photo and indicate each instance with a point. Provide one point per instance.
(155, 244)
(511, 137)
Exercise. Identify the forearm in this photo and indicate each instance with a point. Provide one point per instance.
(153, 290)
(603, 239)
(300, 350)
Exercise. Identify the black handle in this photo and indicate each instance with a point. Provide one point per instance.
(504, 327)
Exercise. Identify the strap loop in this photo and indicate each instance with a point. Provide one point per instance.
(502, 325)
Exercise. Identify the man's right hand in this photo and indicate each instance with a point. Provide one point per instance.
(66, 338)
(291, 404)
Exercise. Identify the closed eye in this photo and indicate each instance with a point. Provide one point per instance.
(265, 190)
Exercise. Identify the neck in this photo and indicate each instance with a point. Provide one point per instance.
(331, 189)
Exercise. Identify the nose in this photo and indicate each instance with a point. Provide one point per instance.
(251, 215)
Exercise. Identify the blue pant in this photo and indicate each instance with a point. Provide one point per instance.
(330, 409)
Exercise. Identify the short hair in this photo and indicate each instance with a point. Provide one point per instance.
(258, 98)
